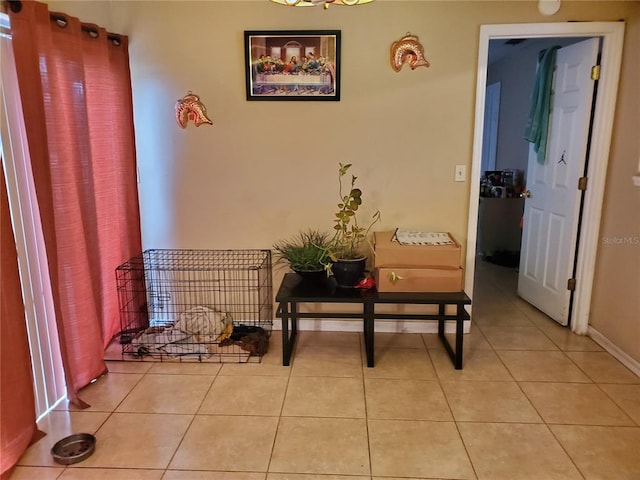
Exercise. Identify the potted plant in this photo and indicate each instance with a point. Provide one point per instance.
(347, 246)
(306, 253)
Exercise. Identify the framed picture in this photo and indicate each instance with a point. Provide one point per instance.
(292, 65)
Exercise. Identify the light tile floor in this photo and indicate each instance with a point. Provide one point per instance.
(533, 402)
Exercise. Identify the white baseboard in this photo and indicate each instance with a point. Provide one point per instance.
(381, 326)
(629, 362)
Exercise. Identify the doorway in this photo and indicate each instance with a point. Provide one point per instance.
(612, 38)
(507, 231)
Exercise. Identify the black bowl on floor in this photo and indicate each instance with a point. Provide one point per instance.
(74, 448)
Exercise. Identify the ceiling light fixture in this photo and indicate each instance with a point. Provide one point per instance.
(324, 3)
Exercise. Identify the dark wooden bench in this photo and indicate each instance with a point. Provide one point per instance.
(294, 291)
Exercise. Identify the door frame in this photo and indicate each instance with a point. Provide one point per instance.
(612, 34)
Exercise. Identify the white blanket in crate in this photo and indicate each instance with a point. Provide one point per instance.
(195, 327)
(204, 321)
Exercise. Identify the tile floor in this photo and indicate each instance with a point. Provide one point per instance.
(532, 402)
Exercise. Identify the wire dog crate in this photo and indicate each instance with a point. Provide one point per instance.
(196, 305)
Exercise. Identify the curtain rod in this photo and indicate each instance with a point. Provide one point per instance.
(15, 5)
(61, 20)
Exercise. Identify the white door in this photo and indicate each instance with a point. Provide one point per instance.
(551, 213)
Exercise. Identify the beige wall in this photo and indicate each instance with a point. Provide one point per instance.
(615, 310)
(266, 169)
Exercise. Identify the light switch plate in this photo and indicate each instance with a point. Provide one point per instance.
(460, 173)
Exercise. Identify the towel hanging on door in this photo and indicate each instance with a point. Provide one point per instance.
(537, 128)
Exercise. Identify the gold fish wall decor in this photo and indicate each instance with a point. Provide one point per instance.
(407, 50)
(191, 108)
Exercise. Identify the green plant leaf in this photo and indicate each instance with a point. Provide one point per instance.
(344, 168)
(348, 235)
(306, 251)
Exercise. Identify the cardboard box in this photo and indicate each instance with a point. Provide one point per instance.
(434, 279)
(392, 254)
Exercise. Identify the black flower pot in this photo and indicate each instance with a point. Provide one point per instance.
(315, 277)
(348, 273)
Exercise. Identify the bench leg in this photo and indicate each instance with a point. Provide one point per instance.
(459, 336)
(441, 322)
(456, 357)
(369, 332)
(288, 341)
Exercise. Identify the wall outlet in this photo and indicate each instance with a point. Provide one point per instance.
(460, 173)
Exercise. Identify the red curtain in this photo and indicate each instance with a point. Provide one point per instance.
(17, 404)
(75, 88)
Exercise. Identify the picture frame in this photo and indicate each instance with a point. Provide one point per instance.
(292, 65)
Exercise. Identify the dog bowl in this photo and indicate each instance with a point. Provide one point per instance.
(74, 448)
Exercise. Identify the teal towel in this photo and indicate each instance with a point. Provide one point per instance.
(537, 127)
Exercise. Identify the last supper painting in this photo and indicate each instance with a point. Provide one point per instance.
(293, 65)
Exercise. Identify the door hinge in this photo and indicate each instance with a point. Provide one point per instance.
(571, 284)
(595, 72)
(582, 183)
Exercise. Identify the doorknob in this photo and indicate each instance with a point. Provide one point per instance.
(526, 194)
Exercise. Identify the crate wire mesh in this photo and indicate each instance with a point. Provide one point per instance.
(196, 305)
